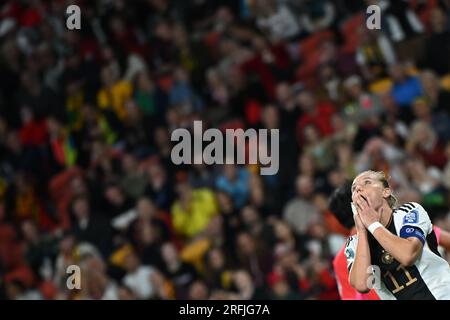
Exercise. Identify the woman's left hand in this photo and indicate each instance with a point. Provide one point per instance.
(366, 212)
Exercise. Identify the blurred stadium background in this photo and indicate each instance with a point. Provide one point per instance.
(86, 116)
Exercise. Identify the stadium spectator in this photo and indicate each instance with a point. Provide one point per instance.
(300, 212)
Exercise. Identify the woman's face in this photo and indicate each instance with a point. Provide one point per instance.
(368, 186)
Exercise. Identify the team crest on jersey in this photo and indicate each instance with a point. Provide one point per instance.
(386, 257)
(411, 217)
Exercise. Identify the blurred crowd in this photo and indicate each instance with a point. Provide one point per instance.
(86, 117)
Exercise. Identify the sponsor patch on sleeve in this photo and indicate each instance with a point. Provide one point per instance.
(411, 217)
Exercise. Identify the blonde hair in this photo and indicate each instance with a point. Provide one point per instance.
(384, 179)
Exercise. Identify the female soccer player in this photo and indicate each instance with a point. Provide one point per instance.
(339, 205)
(391, 245)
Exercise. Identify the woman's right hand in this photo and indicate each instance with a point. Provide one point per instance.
(360, 227)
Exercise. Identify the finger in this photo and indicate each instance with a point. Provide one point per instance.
(358, 203)
(359, 206)
(364, 203)
(360, 222)
(367, 199)
(360, 200)
(363, 198)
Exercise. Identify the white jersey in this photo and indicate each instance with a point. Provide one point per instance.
(427, 278)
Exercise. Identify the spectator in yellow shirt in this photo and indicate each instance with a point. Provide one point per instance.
(114, 93)
(193, 210)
